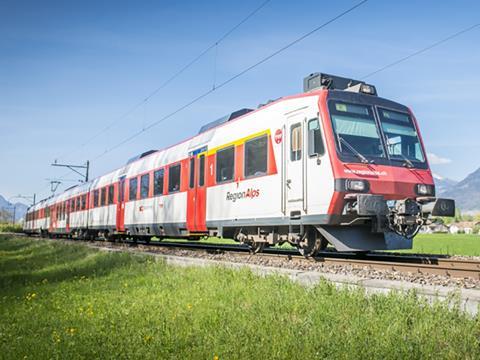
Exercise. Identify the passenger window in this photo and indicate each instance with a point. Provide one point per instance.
(201, 171)
(158, 177)
(144, 186)
(315, 142)
(256, 156)
(132, 194)
(72, 205)
(174, 178)
(192, 173)
(84, 202)
(296, 142)
(104, 197)
(225, 164)
(95, 198)
(111, 192)
(77, 205)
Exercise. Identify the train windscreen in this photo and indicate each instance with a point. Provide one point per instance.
(401, 136)
(356, 130)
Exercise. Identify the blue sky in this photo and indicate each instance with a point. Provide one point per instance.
(68, 69)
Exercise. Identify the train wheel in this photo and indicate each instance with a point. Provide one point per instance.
(256, 246)
(311, 243)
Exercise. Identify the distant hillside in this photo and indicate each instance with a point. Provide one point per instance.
(7, 207)
(466, 193)
(443, 185)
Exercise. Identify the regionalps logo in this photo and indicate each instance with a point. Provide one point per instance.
(247, 194)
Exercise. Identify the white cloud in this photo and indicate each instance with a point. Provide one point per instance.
(437, 160)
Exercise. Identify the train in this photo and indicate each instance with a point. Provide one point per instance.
(335, 165)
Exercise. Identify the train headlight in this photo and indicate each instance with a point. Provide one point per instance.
(368, 89)
(425, 190)
(357, 185)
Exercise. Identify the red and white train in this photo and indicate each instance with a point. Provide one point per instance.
(335, 164)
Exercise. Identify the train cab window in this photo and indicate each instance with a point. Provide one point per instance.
(111, 192)
(296, 141)
(103, 199)
(158, 177)
(144, 186)
(95, 198)
(192, 173)
(201, 171)
(315, 142)
(225, 164)
(256, 156)
(132, 193)
(84, 202)
(174, 178)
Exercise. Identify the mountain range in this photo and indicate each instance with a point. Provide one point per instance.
(466, 192)
(7, 208)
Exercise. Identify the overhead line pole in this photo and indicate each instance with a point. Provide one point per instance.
(74, 168)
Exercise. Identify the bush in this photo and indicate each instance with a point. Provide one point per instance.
(15, 228)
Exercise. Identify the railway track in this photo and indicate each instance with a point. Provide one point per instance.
(415, 264)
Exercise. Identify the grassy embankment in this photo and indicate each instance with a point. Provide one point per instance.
(70, 301)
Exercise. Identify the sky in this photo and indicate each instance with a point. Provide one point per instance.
(71, 69)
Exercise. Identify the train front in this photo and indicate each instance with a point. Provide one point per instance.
(384, 190)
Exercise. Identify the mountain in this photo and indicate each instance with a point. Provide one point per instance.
(443, 185)
(466, 193)
(20, 208)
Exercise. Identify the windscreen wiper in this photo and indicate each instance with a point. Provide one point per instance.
(355, 151)
(407, 163)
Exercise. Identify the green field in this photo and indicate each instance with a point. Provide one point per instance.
(459, 244)
(71, 301)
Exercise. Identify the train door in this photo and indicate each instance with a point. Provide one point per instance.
(67, 215)
(120, 221)
(294, 155)
(196, 194)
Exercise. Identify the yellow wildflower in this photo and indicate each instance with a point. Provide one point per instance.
(215, 357)
(189, 306)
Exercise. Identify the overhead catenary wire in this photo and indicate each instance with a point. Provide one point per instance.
(172, 78)
(229, 80)
(418, 52)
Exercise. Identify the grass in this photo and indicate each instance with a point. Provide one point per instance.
(458, 244)
(70, 301)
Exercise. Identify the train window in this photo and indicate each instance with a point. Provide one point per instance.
(72, 205)
(144, 186)
(201, 171)
(84, 202)
(158, 182)
(103, 198)
(192, 173)
(77, 205)
(95, 198)
(174, 178)
(132, 193)
(296, 142)
(225, 164)
(111, 192)
(315, 142)
(256, 156)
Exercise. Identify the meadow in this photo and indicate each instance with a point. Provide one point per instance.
(69, 301)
